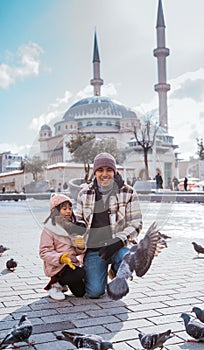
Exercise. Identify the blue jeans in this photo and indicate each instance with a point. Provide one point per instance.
(96, 270)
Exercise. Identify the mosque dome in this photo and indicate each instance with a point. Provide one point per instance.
(45, 131)
(45, 127)
(98, 105)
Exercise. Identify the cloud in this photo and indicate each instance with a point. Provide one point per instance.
(14, 148)
(26, 64)
(62, 100)
(201, 116)
(108, 90)
(188, 85)
(44, 118)
(55, 111)
(193, 89)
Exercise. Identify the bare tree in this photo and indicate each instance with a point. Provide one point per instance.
(85, 147)
(81, 146)
(33, 165)
(200, 148)
(145, 135)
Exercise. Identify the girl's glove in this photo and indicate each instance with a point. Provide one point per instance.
(107, 251)
(65, 259)
(78, 242)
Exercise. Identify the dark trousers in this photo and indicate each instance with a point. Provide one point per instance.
(74, 279)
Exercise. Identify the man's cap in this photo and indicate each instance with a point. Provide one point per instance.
(104, 159)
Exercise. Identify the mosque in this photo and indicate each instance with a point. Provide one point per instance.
(106, 118)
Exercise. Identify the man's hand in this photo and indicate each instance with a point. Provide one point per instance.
(107, 251)
(65, 259)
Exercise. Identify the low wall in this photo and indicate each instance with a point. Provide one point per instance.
(150, 197)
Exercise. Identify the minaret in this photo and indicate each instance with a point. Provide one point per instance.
(96, 81)
(161, 52)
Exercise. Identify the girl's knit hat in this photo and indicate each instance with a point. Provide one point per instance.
(57, 199)
(104, 159)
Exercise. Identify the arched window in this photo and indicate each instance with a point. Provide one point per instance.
(99, 123)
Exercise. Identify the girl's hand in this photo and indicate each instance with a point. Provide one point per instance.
(65, 259)
(78, 242)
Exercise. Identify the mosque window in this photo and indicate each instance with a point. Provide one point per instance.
(108, 123)
(66, 126)
(98, 123)
(89, 124)
(80, 125)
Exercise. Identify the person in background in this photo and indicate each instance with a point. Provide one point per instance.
(175, 183)
(159, 181)
(62, 248)
(110, 209)
(185, 184)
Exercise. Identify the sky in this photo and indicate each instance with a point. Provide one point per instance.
(46, 50)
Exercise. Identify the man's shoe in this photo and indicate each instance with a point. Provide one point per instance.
(55, 292)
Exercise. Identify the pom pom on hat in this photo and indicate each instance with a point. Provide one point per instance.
(104, 159)
(57, 199)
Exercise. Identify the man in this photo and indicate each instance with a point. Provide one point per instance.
(159, 181)
(111, 212)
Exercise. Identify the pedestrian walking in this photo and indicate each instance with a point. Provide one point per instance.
(111, 211)
(185, 184)
(62, 249)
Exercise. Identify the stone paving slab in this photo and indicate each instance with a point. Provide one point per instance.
(174, 284)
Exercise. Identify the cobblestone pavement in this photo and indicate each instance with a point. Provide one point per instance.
(173, 284)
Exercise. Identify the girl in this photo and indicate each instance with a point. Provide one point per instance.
(62, 248)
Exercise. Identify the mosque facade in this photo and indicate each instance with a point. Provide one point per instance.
(105, 118)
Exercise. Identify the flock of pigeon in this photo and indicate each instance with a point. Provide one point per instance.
(23, 330)
(138, 260)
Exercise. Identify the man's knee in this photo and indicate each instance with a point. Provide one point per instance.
(94, 292)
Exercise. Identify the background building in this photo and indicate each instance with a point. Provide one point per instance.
(10, 161)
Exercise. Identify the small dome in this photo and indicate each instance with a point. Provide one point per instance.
(45, 127)
(98, 105)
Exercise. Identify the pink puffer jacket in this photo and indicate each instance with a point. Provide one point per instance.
(54, 242)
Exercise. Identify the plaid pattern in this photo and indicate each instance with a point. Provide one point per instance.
(124, 211)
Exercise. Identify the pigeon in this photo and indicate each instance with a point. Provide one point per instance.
(198, 248)
(154, 340)
(194, 328)
(19, 333)
(90, 341)
(163, 239)
(3, 249)
(199, 313)
(162, 235)
(138, 259)
(11, 264)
